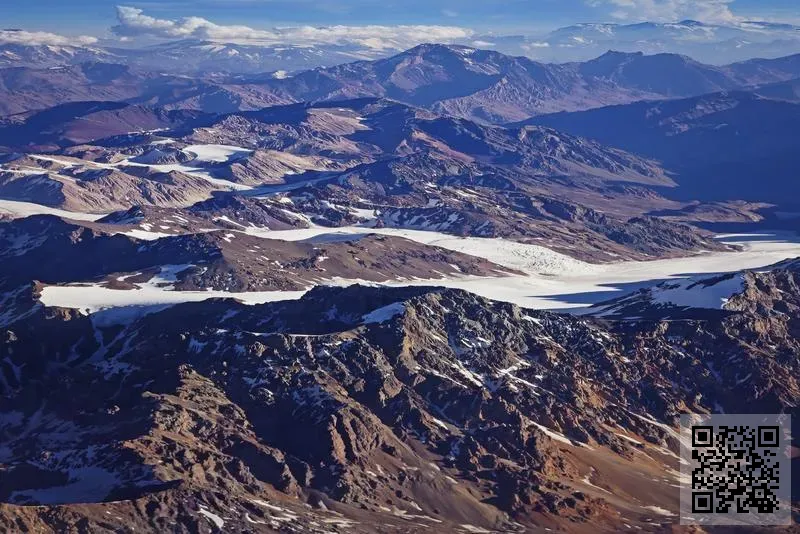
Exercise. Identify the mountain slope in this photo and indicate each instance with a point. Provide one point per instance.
(465, 81)
(722, 146)
(79, 122)
(213, 259)
(370, 405)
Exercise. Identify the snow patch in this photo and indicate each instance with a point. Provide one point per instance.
(694, 293)
(216, 153)
(17, 210)
(381, 315)
(214, 518)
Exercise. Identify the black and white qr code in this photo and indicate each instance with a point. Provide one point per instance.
(738, 470)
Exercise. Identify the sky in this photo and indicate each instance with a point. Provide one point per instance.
(96, 17)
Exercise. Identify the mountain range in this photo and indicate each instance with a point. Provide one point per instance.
(711, 43)
(235, 300)
(708, 42)
(477, 84)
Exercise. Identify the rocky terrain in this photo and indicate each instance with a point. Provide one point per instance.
(419, 409)
(371, 162)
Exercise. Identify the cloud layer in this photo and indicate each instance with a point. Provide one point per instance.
(711, 11)
(134, 22)
(22, 37)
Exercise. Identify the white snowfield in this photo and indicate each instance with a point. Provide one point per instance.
(216, 153)
(15, 209)
(203, 155)
(120, 306)
(707, 292)
(693, 293)
(551, 280)
(519, 256)
(558, 282)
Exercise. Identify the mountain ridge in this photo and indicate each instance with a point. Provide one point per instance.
(479, 84)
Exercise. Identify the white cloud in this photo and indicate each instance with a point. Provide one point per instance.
(133, 22)
(710, 11)
(22, 37)
(535, 44)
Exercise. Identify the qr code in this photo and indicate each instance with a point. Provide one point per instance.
(735, 470)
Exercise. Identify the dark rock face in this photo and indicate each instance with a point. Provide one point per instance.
(407, 406)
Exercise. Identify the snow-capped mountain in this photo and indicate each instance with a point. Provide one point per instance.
(209, 57)
(191, 57)
(772, 290)
(709, 43)
(47, 55)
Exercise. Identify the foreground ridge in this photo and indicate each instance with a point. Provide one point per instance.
(420, 408)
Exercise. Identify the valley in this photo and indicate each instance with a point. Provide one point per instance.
(551, 281)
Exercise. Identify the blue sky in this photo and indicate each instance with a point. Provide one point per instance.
(95, 17)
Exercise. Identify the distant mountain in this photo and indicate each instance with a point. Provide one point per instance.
(711, 43)
(477, 84)
(759, 71)
(209, 57)
(79, 122)
(25, 89)
(669, 75)
(729, 145)
(191, 57)
(44, 56)
(493, 87)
